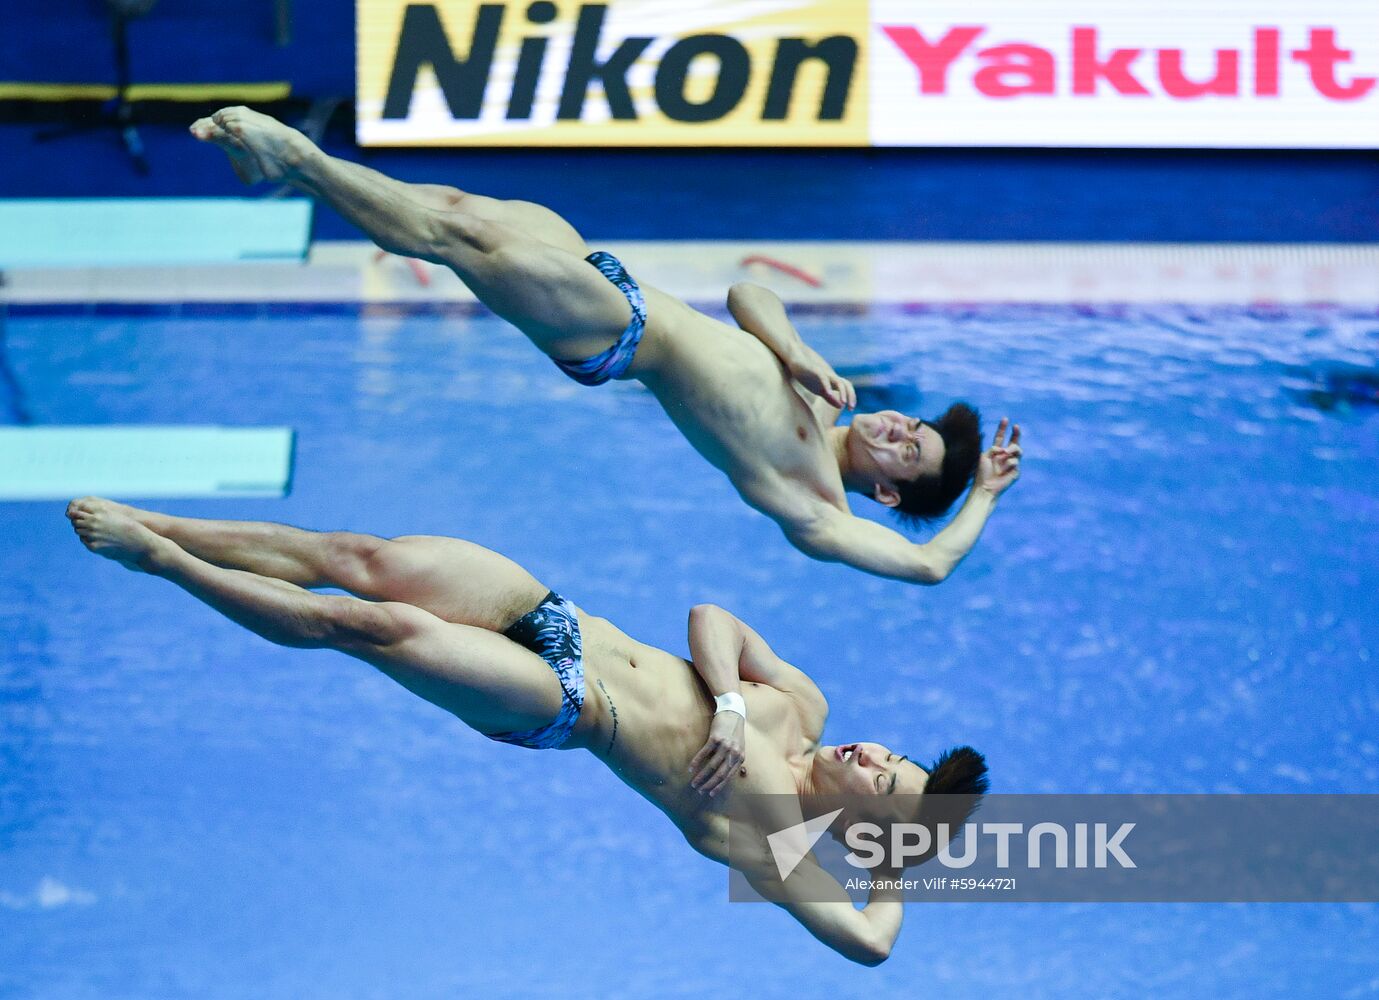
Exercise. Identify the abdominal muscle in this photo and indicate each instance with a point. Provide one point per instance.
(648, 709)
(653, 716)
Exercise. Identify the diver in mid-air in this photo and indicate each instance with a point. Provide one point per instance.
(761, 405)
(477, 635)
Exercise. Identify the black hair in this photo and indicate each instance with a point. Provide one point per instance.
(959, 771)
(928, 497)
(957, 782)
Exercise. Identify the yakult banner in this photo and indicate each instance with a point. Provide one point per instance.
(1215, 73)
(1254, 73)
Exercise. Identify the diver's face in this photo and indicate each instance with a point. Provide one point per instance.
(869, 769)
(890, 448)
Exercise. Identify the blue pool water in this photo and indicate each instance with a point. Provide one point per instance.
(1179, 596)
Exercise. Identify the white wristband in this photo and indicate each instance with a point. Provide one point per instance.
(731, 702)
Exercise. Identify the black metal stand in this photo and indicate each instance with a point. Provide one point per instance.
(119, 114)
(282, 22)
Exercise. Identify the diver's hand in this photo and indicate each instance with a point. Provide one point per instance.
(999, 465)
(715, 766)
(809, 369)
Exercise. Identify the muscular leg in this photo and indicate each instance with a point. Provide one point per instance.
(523, 261)
(452, 579)
(489, 682)
(526, 217)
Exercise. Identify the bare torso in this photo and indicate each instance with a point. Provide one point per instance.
(735, 403)
(645, 716)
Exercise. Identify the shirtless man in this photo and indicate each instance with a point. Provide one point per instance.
(763, 408)
(474, 633)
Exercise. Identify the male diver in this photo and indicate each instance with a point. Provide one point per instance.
(763, 408)
(475, 634)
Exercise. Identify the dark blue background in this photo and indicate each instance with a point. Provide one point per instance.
(1185, 195)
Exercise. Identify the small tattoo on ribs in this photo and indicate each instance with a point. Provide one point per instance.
(614, 709)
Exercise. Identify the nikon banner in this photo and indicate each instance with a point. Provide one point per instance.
(1248, 73)
(622, 73)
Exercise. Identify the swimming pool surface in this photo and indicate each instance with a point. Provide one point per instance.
(1180, 596)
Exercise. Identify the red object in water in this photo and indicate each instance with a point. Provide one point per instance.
(780, 265)
(419, 272)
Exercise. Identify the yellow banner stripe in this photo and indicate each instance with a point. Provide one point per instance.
(247, 93)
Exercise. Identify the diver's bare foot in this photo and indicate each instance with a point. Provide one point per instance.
(107, 529)
(260, 148)
(150, 519)
(245, 165)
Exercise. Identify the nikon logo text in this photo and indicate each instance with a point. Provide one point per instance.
(595, 59)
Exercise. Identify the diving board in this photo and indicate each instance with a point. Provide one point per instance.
(144, 462)
(113, 232)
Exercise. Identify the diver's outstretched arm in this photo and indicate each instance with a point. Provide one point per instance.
(839, 536)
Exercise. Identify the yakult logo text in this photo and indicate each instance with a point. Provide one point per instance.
(1015, 69)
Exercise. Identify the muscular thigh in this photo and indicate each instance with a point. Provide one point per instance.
(488, 681)
(560, 301)
(530, 219)
(457, 581)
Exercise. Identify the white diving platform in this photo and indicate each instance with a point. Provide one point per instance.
(143, 463)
